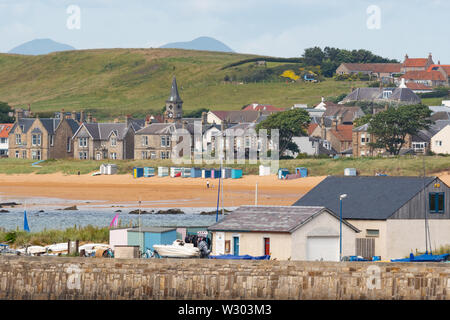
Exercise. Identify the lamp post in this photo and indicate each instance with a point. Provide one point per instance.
(341, 197)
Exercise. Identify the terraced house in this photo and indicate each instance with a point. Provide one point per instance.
(42, 138)
(100, 141)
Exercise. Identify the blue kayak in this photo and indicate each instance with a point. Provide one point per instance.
(244, 257)
(424, 258)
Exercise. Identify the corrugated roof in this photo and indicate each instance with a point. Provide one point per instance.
(152, 229)
(368, 198)
(284, 219)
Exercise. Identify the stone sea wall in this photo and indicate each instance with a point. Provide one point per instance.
(103, 278)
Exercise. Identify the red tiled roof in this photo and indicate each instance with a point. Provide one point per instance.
(374, 67)
(5, 128)
(446, 67)
(343, 132)
(261, 107)
(311, 128)
(417, 86)
(415, 62)
(424, 75)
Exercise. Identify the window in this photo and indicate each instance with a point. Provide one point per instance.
(17, 154)
(98, 156)
(113, 156)
(36, 154)
(3, 140)
(153, 155)
(24, 154)
(372, 233)
(52, 140)
(69, 147)
(165, 155)
(439, 143)
(82, 142)
(436, 202)
(18, 139)
(144, 154)
(165, 141)
(145, 141)
(36, 139)
(83, 155)
(113, 141)
(387, 94)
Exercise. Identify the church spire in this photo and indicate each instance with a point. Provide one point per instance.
(174, 96)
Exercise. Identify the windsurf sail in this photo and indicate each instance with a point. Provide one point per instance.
(114, 221)
(25, 222)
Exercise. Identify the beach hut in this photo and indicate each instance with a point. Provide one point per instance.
(303, 172)
(196, 173)
(163, 171)
(118, 237)
(175, 172)
(185, 172)
(350, 172)
(146, 237)
(226, 173)
(236, 173)
(149, 172)
(264, 170)
(216, 173)
(282, 173)
(138, 172)
(206, 173)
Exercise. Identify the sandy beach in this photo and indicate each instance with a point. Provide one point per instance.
(166, 191)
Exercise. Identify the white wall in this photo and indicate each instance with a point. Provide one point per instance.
(406, 236)
(443, 137)
(323, 224)
(118, 237)
(380, 241)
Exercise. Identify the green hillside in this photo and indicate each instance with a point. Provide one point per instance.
(116, 82)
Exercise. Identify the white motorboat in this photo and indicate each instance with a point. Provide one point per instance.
(33, 250)
(58, 248)
(91, 248)
(178, 249)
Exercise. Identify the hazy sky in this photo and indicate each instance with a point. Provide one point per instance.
(268, 27)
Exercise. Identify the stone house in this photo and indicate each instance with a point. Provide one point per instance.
(101, 141)
(389, 211)
(416, 64)
(42, 138)
(283, 232)
(381, 71)
(333, 130)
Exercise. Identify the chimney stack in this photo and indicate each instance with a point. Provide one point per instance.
(18, 113)
(204, 118)
(74, 115)
(128, 119)
(81, 116)
(89, 117)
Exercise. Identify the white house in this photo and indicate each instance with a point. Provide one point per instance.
(440, 142)
(284, 233)
(5, 129)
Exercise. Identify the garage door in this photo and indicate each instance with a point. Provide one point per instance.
(322, 248)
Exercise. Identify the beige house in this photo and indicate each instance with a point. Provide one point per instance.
(284, 233)
(42, 138)
(440, 142)
(389, 211)
(100, 141)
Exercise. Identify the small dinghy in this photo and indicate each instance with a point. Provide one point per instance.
(178, 249)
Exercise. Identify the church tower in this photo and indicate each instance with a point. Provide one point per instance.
(174, 105)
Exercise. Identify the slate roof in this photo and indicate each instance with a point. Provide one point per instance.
(164, 128)
(174, 96)
(368, 198)
(399, 95)
(102, 131)
(261, 107)
(284, 219)
(237, 116)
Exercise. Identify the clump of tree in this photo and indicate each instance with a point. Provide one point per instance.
(290, 123)
(392, 126)
(439, 92)
(330, 58)
(5, 110)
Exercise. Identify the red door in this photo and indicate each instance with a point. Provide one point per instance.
(267, 246)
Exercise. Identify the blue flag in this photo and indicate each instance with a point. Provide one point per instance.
(25, 222)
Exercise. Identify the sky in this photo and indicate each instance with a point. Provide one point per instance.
(282, 28)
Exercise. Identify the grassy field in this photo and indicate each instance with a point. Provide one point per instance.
(116, 82)
(395, 166)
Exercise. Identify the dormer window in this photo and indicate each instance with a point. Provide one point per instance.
(387, 94)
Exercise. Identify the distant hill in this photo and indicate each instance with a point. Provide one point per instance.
(40, 46)
(112, 83)
(202, 43)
